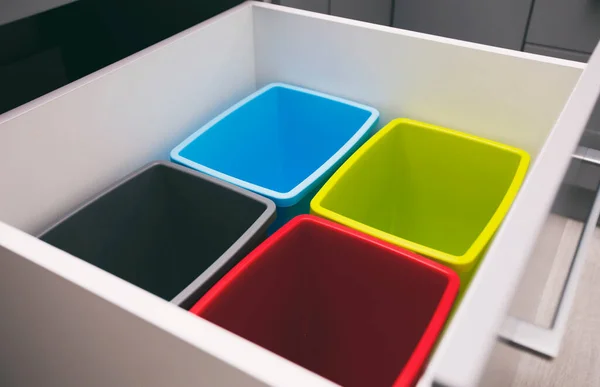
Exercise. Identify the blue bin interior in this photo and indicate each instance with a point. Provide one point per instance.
(278, 138)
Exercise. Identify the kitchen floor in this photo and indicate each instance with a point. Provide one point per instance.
(536, 301)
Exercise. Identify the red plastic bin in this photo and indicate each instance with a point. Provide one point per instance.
(347, 306)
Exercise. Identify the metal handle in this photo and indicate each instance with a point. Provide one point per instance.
(547, 341)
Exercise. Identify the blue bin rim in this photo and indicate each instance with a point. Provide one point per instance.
(282, 199)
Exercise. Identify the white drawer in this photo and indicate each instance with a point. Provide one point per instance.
(72, 324)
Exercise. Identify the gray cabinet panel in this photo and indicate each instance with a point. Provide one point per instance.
(569, 24)
(309, 5)
(556, 52)
(494, 22)
(11, 10)
(374, 11)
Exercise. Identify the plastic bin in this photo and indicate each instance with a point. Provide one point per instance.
(338, 302)
(167, 229)
(282, 142)
(432, 190)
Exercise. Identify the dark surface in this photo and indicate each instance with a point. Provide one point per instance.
(161, 229)
(46, 51)
(567, 24)
(310, 296)
(574, 202)
(501, 23)
(372, 11)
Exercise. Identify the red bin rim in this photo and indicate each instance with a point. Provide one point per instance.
(413, 367)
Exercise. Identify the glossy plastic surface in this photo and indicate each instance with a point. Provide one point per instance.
(340, 303)
(281, 142)
(167, 229)
(436, 191)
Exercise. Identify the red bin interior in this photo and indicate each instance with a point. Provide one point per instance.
(349, 307)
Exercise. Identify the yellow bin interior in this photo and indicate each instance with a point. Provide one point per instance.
(432, 190)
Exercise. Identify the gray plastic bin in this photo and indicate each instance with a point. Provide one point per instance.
(167, 229)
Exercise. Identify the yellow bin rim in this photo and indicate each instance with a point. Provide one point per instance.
(462, 262)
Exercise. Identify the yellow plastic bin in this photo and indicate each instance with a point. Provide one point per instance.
(432, 190)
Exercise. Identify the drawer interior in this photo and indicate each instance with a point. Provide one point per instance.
(65, 147)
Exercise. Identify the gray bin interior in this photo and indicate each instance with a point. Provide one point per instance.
(167, 229)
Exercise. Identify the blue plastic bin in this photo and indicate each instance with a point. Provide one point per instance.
(282, 142)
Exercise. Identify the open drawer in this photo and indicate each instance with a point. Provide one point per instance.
(71, 324)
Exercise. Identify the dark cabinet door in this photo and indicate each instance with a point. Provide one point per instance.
(309, 5)
(568, 24)
(495, 22)
(373, 11)
(48, 50)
